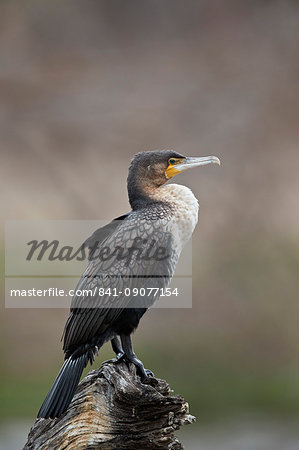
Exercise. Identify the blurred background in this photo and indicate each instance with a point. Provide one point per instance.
(84, 85)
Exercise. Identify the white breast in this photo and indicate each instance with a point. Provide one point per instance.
(185, 206)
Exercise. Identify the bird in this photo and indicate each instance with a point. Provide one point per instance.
(133, 254)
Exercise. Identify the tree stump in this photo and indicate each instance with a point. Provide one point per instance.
(112, 410)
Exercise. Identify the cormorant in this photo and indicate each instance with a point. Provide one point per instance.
(136, 251)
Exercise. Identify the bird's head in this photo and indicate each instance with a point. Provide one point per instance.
(150, 170)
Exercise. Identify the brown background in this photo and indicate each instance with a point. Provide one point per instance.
(86, 84)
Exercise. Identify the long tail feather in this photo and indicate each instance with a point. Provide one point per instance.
(63, 389)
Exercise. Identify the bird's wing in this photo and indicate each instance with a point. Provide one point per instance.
(116, 268)
(102, 233)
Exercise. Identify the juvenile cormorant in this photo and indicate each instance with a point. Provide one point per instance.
(136, 251)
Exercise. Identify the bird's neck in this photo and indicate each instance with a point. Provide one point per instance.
(142, 195)
(178, 196)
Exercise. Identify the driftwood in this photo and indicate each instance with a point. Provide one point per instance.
(112, 410)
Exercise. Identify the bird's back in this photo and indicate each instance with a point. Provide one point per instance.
(138, 257)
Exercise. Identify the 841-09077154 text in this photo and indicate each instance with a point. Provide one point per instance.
(97, 291)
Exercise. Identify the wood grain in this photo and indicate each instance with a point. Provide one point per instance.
(112, 409)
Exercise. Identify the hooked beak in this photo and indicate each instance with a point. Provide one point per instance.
(189, 163)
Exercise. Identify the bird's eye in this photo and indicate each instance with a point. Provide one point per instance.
(172, 161)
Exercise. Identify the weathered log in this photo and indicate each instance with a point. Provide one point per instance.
(112, 410)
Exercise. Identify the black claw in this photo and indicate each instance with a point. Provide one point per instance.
(149, 373)
(119, 357)
(141, 371)
(109, 361)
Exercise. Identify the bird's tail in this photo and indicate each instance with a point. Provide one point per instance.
(63, 389)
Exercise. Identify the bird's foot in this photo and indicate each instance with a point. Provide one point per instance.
(149, 373)
(144, 374)
(119, 357)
